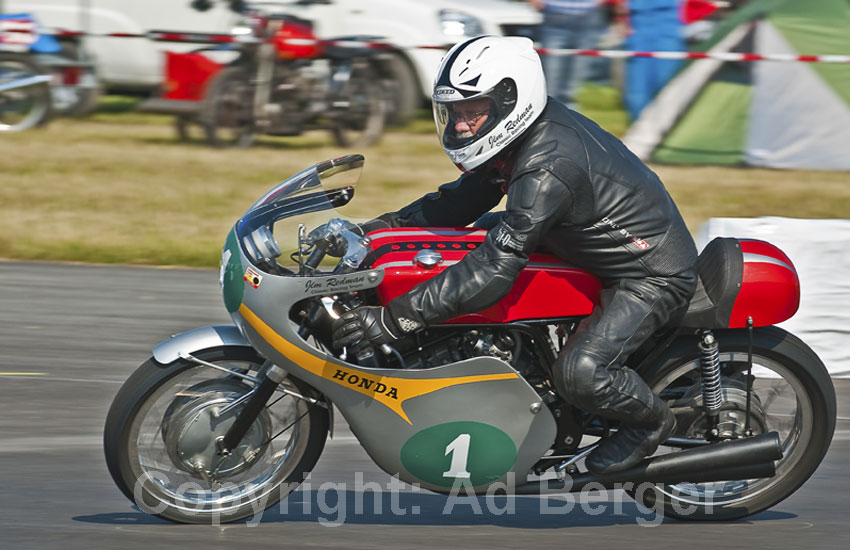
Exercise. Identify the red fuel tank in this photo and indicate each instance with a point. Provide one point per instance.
(770, 287)
(545, 289)
(187, 75)
(295, 40)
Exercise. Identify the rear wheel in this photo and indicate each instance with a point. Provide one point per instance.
(162, 430)
(792, 395)
(402, 93)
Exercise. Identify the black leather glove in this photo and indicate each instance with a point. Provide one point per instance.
(363, 327)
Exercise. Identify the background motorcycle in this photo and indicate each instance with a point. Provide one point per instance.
(41, 75)
(283, 82)
(224, 421)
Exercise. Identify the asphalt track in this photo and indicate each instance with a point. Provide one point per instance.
(69, 336)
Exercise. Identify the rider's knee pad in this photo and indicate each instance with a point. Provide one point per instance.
(584, 370)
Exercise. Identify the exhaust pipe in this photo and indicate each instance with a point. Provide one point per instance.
(748, 458)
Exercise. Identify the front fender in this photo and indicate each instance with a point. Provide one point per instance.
(197, 339)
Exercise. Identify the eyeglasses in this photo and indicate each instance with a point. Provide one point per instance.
(469, 118)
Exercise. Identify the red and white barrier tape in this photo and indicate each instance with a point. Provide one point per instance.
(724, 56)
(203, 38)
(208, 38)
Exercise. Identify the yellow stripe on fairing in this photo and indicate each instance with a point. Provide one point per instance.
(394, 391)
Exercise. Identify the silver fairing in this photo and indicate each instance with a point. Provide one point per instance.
(470, 423)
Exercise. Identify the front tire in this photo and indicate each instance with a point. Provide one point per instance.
(792, 394)
(23, 108)
(161, 433)
(227, 113)
(358, 118)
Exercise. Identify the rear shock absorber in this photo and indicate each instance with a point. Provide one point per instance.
(712, 399)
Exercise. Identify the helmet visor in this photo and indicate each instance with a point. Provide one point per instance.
(460, 123)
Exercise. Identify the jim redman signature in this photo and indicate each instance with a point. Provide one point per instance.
(335, 284)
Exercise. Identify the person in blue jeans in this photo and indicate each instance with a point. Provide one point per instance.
(655, 25)
(568, 24)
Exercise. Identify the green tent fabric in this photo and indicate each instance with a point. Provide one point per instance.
(767, 113)
(697, 139)
(806, 32)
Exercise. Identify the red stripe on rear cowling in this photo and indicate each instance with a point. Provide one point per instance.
(763, 248)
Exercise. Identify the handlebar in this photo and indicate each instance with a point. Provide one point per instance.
(313, 260)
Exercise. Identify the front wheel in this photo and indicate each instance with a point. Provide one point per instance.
(227, 113)
(162, 430)
(792, 394)
(22, 107)
(358, 109)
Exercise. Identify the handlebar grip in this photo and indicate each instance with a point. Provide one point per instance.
(314, 259)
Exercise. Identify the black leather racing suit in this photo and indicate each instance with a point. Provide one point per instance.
(577, 190)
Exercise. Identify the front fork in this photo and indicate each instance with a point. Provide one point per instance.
(265, 76)
(274, 375)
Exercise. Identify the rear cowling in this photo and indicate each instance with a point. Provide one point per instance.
(770, 287)
(545, 289)
(743, 279)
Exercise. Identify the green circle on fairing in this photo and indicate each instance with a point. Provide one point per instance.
(443, 454)
(232, 285)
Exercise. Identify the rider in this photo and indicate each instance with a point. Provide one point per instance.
(572, 187)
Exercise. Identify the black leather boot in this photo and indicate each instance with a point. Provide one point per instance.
(631, 444)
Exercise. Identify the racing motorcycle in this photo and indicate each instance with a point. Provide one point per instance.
(224, 421)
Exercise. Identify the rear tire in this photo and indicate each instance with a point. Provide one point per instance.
(804, 388)
(165, 418)
(402, 93)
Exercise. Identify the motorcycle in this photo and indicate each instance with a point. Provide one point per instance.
(223, 421)
(282, 82)
(40, 76)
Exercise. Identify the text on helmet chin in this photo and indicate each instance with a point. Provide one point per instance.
(519, 119)
(513, 127)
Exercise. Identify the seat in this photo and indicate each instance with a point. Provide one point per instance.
(721, 269)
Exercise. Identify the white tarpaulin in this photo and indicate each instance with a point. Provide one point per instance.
(816, 122)
(820, 251)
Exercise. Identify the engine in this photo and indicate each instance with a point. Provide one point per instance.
(526, 349)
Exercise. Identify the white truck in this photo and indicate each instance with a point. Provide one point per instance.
(411, 25)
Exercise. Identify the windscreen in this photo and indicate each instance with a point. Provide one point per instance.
(310, 197)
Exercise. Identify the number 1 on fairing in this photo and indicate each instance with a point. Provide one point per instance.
(460, 454)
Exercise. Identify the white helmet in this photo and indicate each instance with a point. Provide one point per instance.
(504, 70)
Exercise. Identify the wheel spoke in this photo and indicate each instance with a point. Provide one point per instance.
(775, 407)
(278, 434)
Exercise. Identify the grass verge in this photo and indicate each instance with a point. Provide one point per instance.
(119, 188)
